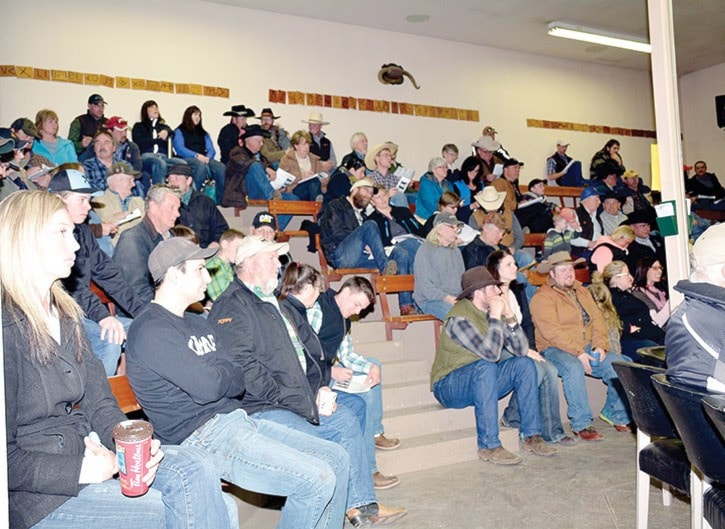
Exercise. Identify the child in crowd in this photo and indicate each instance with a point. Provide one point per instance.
(603, 298)
(566, 227)
(220, 267)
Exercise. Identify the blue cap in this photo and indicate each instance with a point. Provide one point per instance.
(588, 192)
(72, 180)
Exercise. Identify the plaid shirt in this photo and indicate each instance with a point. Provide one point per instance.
(488, 347)
(96, 173)
(346, 355)
(222, 276)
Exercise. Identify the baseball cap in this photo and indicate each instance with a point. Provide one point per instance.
(709, 248)
(121, 167)
(363, 182)
(173, 252)
(587, 192)
(72, 180)
(562, 142)
(443, 217)
(254, 244)
(512, 161)
(24, 124)
(180, 169)
(96, 99)
(264, 218)
(116, 122)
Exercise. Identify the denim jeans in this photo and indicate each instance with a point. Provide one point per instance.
(344, 429)
(214, 169)
(548, 380)
(350, 252)
(404, 254)
(186, 493)
(572, 374)
(399, 199)
(108, 353)
(630, 346)
(104, 242)
(265, 457)
(436, 307)
(259, 188)
(481, 384)
(308, 190)
(156, 166)
(373, 402)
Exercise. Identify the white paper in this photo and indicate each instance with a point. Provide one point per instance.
(498, 169)
(403, 184)
(356, 384)
(665, 210)
(135, 214)
(568, 166)
(283, 179)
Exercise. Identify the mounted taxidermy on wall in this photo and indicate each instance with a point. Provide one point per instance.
(393, 74)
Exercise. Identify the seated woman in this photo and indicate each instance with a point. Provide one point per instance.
(638, 329)
(56, 149)
(195, 146)
(467, 183)
(152, 135)
(398, 229)
(59, 408)
(438, 268)
(603, 298)
(329, 319)
(350, 171)
(299, 162)
(650, 288)
(503, 268)
(610, 248)
(432, 185)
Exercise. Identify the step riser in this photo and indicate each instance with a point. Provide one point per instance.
(405, 371)
(383, 351)
(397, 398)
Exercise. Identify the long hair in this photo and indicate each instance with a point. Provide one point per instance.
(640, 274)
(296, 277)
(23, 217)
(188, 124)
(468, 165)
(603, 298)
(612, 270)
(145, 113)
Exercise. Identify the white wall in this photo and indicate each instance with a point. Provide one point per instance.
(252, 51)
(703, 140)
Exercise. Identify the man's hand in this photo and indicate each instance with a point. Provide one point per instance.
(535, 356)
(86, 141)
(585, 358)
(634, 329)
(326, 166)
(450, 299)
(153, 465)
(341, 374)
(108, 229)
(112, 330)
(101, 464)
(318, 400)
(271, 174)
(602, 353)
(373, 377)
(496, 306)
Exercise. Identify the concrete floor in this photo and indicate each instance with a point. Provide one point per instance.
(588, 485)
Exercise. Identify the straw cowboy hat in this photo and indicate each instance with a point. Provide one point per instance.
(370, 162)
(490, 199)
(556, 259)
(316, 119)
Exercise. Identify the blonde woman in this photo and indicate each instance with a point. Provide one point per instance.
(56, 149)
(300, 162)
(60, 474)
(611, 248)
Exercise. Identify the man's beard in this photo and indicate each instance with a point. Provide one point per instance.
(269, 286)
(359, 202)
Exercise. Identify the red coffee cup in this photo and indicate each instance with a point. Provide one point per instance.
(133, 450)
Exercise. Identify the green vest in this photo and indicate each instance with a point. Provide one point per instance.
(449, 354)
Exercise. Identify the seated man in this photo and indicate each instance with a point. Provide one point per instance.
(493, 228)
(96, 166)
(135, 245)
(189, 389)
(611, 215)
(220, 266)
(694, 341)
(645, 244)
(468, 370)
(359, 146)
(330, 319)
(563, 168)
(277, 350)
(570, 332)
(278, 142)
(348, 238)
(705, 188)
(197, 211)
(229, 134)
(587, 213)
(127, 151)
(84, 127)
(105, 332)
(117, 202)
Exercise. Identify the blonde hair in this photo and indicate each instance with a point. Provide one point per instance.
(23, 217)
(434, 237)
(300, 135)
(612, 270)
(622, 232)
(603, 298)
(41, 116)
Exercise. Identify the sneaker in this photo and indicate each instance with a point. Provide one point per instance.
(498, 456)
(386, 443)
(391, 268)
(588, 434)
(382, 482)
(537, 446)
(387, 514)
(624, 428)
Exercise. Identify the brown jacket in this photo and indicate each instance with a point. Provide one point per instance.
(559, 322)
(290, 164)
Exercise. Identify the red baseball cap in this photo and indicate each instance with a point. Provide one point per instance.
(116, 122)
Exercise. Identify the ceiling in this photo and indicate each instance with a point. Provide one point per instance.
(521, 25)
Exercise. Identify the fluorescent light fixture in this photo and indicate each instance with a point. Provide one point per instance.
(598, 36)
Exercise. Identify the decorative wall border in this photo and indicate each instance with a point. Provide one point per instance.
(291, 97)
(98, 79)
(584, 127)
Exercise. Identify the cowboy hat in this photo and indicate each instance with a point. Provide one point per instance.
(370, 162)
(490, 199)
(556, 259)
(315, 118)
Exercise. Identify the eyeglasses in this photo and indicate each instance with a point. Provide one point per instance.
(623, 274)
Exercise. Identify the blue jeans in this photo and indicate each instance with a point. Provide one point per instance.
(548, 380)
(572, 374)
(214, 169)
(404, 254)
(523, 259)
(481, 384)
(104, 242)
(265, 457)
(436, 307)
(399, 199)
(373, 402)
(156, 167)
(308, 190)
(344, 429)
(630, 346)
(350, 252)
(185, 494)
(259, 188)
(108, 353)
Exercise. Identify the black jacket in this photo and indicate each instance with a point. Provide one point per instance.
(143, 136)
(634, 311)
(402, 216)
(476, 252)
(92, 264)
(132, 255)
(318, 367)
(637, 251)
(337, 222)
(227, 140)
(202, 216)
(585, 220)
(253, 331)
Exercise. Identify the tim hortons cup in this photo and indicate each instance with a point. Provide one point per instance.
(327, 402)
(133, 450)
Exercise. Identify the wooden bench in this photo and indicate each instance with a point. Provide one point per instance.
(293, 207)
(125, 397)
(560, 192)
(385, 285)
(250, 202)
(330, 275)
(708, 214)
(534, 240)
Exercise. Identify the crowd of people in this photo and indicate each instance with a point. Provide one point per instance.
(241, 360)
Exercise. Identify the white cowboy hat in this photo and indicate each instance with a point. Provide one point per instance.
(490, 199)
(315, 118)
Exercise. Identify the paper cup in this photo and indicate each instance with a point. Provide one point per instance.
(133, 450)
